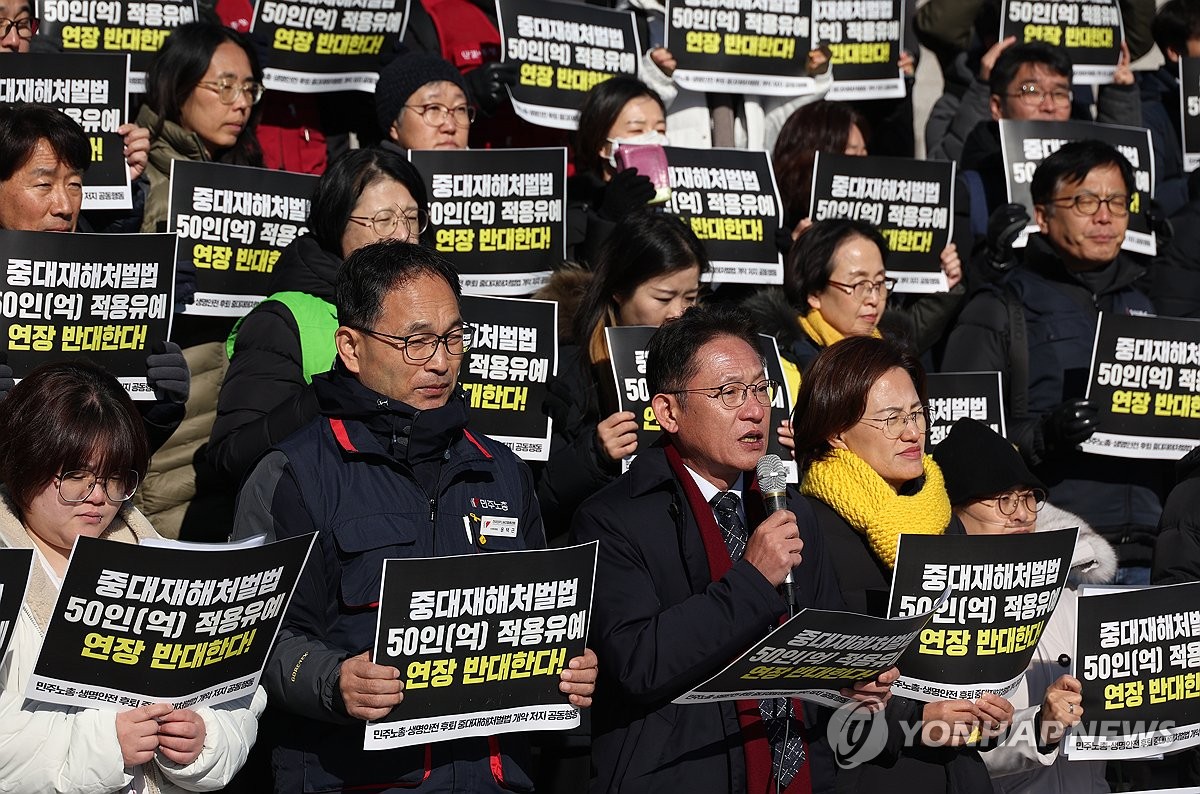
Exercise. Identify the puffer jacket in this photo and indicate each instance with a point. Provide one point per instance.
(52, 748)
(172, 143)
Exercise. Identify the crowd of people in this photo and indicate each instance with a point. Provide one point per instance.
(335, 407)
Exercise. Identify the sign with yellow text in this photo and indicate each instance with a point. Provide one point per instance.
(1089, 30)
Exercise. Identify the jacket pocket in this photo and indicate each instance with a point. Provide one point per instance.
(364, 543)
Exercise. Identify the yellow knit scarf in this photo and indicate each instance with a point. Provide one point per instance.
(821, 331)
(849, 485)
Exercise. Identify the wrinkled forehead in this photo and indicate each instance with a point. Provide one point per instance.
(15, 9)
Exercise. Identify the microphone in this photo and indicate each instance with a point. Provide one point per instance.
(772, 482)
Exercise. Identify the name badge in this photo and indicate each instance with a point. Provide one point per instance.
(498, 526)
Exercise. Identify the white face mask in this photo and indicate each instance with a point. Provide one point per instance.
(648, 138)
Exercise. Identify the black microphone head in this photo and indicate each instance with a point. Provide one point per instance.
(772, 474)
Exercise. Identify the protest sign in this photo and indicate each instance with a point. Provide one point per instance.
(480, 639)
(498, 215)
(318, 46)
(15, 567)
(1189, 111)
(1145, 377)
(730, 200)
(116, 26)
(741, 46)
(1090, 31)
(1137, 654)
(564, 51)
(106, 297)
(627, 353)
(1025, 144)
(233, 222)
(124, 634)
(865, 39)
(781, 403)
(957, 395)
(1003, 589)
(811, 657)
(91, 89)
(910, 202)
(514, 351)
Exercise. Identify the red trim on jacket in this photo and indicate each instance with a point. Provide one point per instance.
(339, 432)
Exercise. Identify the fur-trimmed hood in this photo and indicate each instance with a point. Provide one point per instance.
(1095, 560)
(771, 312)
(568, 284)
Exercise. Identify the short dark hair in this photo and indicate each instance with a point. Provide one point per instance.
(373, 271)
(1175, 23)
(343, 183)
(601, 107)
(67, 416)
(809, 262)
(833, 394)
(671, 352)
(1072, 163)
(821, 126)
(179, 67)
(23, 125)
(1011, 60)
(642, 246)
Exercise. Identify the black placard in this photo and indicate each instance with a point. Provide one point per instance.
(1189, 111)
(497, 214)
(104, 297)
(233, 222)
(514, 351)
(958, 395)
(1089, 31)
(14, 576)
(627, 354)
(865, 39)
(480, 641)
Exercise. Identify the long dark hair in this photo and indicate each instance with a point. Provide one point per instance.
(343, 183)
(181, 64)
(821, 126)
(601, 107)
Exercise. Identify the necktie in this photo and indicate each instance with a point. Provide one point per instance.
(778, 716)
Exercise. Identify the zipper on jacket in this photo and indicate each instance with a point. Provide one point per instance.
(432, 509)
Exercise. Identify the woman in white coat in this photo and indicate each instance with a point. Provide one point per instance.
(72, 452)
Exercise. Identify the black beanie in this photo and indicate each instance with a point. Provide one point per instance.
(978, 463)
(400, 79)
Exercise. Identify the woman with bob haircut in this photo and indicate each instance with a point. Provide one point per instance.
(367, 195)
(202, 94)
(860, 426)
(72, 453)
(647, 272)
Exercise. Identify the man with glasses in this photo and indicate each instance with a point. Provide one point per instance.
(421, 102)
(390, 469)
(1037, 327)
(17, 26)
(689, 576)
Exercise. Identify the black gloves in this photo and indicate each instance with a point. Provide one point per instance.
(167, 373)
(628, 191)
(1069, 424)
(486, 85)
(1004, 226)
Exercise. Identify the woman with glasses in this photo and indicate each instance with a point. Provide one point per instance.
(421, 103)
(72, 453)
(202, 92)
(367, 195)
(993, 492)
(860, 427)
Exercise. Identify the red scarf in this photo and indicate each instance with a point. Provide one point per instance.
(760, 772)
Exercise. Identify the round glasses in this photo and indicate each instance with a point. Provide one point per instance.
(893, 426)
(229, 90)
(435, 115)
(1089, 204)
(1034, 501)
(77, 486)
(25, 27)
(1032, 95)
(422, 347)
(860, 289)
(384, 222)
(733, 395)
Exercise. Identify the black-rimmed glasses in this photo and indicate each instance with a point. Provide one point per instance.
(422, 347)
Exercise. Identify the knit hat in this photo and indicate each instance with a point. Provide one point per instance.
(978, 463)
(401, 78)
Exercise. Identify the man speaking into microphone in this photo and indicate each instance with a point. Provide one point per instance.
(689, 575)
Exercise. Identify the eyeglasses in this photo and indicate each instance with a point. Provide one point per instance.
(77, 486)
(25, 27)
(229, 90)
(435, 115)
(1089, 204)
(1034, 501)
(893, 427)
(860, 289)
(422, 347)
(1033, 95)
(384, 222)
(733, 395)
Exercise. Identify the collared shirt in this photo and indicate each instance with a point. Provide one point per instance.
(710, 491)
